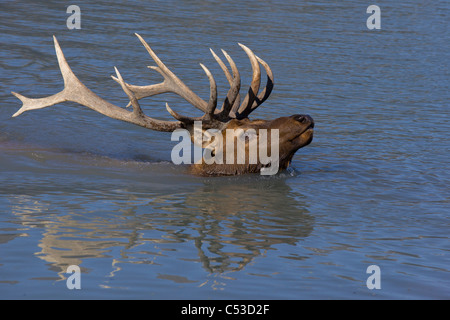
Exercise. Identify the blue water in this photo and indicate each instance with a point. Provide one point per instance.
(81, 189)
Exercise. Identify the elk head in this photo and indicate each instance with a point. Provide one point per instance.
(230, 122)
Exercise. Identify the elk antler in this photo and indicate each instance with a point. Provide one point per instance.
(230, 108)
(74, 90)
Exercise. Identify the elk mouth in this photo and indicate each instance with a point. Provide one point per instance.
(305, 119)
(309, 128)
(305, 136)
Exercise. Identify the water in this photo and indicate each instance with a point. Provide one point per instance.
(78, 188)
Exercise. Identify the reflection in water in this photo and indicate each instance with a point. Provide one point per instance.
(230, 224)
(237, 222)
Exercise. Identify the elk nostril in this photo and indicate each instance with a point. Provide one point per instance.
(300, 118)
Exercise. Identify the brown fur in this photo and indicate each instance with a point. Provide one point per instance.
(295, 132)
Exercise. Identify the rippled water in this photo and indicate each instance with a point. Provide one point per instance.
(78, 188)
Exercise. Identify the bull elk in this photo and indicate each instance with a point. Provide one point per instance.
(294, 132)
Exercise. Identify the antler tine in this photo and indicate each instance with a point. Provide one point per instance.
(222, 66)
(212, 103)
(150, 90)
(264, 94)
(75, 91)
(254, 86)
(235, 85)
(269, 85)
(134, 102)
(210, 108)
(171, 83)
(179, 117)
